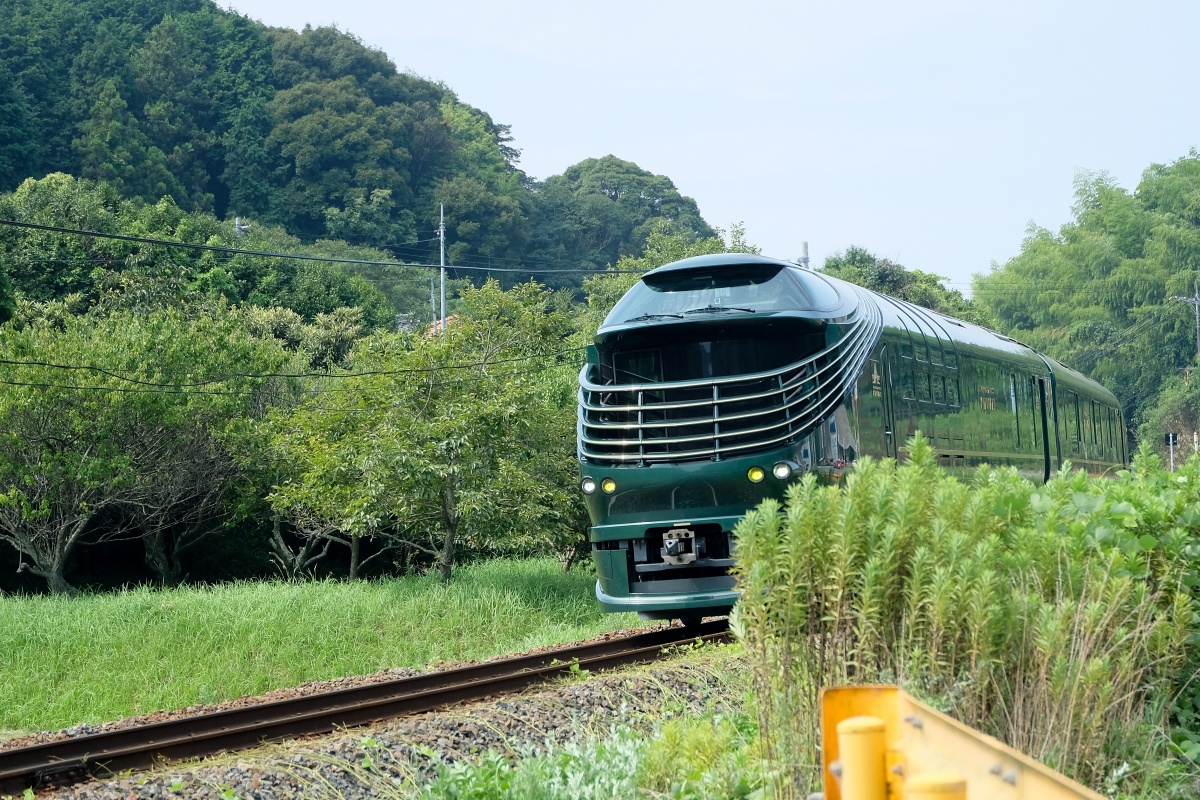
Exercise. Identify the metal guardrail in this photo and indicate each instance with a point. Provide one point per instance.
(673, 421)
(878, 742)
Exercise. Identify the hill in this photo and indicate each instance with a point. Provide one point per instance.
(308, 130)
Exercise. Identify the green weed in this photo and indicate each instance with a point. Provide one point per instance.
(1060, 618)
(95, 658)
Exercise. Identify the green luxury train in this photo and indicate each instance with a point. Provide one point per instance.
(717, 380)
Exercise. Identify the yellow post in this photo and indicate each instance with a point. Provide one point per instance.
(861, 751)
(935, 786)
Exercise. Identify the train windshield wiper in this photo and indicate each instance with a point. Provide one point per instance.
(653, 316)
(711, 309)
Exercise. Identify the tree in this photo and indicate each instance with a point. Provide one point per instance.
(1096, 294)
(114, 427)
(45, 265)
(113, 148)
(446, 443)
(883, 275)
(604, 208)
(335, 144)
(19, 148)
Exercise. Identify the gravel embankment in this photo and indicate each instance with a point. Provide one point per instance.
(400, 752)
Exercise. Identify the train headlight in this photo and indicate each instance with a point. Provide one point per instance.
(756, 474)
(608, 485)
(782, 470)
(587, 485)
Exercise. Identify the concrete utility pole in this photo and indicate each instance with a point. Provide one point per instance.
(442, 241)
(1194, 302)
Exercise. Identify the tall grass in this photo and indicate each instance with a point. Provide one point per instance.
(1056, 618)
(67, 661)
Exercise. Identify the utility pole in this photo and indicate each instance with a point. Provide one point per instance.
(433, 299)
(442, 242)
(1194, 302)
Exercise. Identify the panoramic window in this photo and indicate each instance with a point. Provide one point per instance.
(746, 288)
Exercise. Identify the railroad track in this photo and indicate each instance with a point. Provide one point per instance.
(79, 758)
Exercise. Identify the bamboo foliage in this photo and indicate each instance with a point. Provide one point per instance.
(1058, 618)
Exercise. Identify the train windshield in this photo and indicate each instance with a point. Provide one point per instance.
(747, 288)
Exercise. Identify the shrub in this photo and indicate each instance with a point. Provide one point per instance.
(1057, 618)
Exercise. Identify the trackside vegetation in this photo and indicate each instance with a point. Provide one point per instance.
(101, 657)
(706, 758)
(1061, 619)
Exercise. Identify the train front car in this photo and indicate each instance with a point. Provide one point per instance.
(712, 384)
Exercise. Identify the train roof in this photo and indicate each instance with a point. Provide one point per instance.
(717, 260)
(835, 300)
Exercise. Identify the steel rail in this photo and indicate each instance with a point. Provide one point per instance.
(95, 755)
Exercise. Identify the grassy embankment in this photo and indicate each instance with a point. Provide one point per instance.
(95, 658)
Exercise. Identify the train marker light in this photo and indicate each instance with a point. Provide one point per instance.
(782, 470)
(756, 474)
(608, 485)
(587, 485)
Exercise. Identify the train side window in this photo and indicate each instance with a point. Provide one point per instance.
(951, 359)
(906, 350)
(952, 392)
(939, 390)
(935, 354)
(922, 350)
(906, 384)
(1012, 397)
(1085, 421)
(1071, 401)
(1033, 417)
(923, 387)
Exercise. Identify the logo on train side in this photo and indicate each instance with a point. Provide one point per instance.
(987, 398)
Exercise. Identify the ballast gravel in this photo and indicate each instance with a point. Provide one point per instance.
(394, 758)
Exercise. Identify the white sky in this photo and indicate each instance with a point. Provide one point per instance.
(931, 133)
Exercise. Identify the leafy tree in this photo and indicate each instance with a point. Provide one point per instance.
(446, 443)
(924, 289)
(125, 441)
(604, 208)
(19, 148)
(481, 224)
(113, 148)
(46, 265)
(1096, 295)
(333, 140)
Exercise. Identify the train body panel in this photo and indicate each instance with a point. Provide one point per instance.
(718, 380)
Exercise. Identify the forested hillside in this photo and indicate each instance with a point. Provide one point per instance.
(311, 131)
(1100, 293)
(186, 399)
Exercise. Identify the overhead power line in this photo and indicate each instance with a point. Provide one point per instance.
(265, 375)
(189, 389)
(214, 248)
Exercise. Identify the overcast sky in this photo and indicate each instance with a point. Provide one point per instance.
(931, 133)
